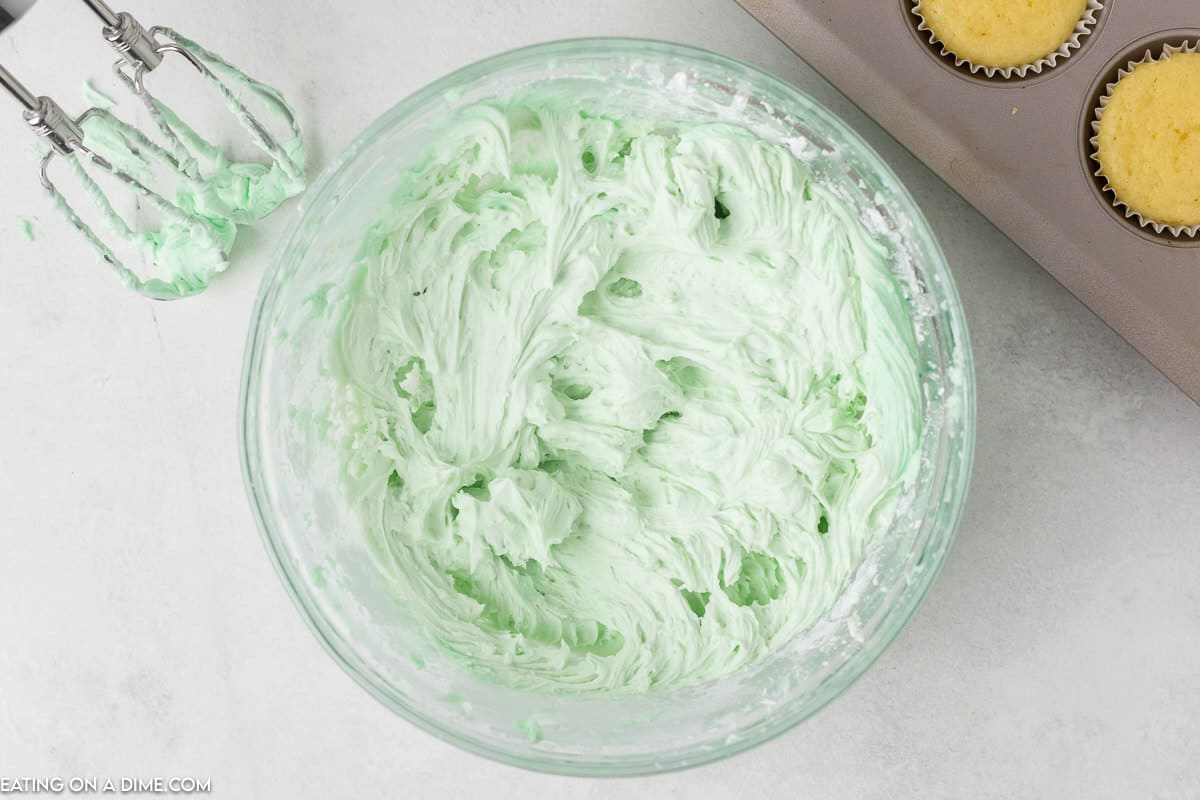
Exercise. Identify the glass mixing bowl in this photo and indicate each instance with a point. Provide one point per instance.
(290, 462)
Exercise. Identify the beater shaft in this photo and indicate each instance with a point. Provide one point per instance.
(44, 116)
(103, 11)
(135, 44)
(18, 90)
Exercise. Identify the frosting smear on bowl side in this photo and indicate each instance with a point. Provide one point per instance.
(622, 403)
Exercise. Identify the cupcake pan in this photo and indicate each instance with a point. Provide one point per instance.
(1019, 150)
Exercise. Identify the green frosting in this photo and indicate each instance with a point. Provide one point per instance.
(622, 403)
(187, 246)
(94, 97)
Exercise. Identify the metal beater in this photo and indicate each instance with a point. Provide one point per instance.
(142, 50)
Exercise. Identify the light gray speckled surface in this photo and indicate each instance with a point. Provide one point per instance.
(145, 632)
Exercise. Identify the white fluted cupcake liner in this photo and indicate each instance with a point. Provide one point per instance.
(1082, 29)
(1148, 57)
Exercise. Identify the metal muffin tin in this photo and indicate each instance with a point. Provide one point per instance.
(1017, 149)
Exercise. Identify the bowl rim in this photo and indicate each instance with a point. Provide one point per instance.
(953, 488)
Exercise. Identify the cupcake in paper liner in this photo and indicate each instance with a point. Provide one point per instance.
(1146, 140)
(1005, 39)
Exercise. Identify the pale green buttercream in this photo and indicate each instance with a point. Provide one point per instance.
(623, 403)
(94, 97)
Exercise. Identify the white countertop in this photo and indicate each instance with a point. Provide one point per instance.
(145, 632)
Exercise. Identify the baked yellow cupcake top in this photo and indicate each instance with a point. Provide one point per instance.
(1002, 33)
(1149, 140)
